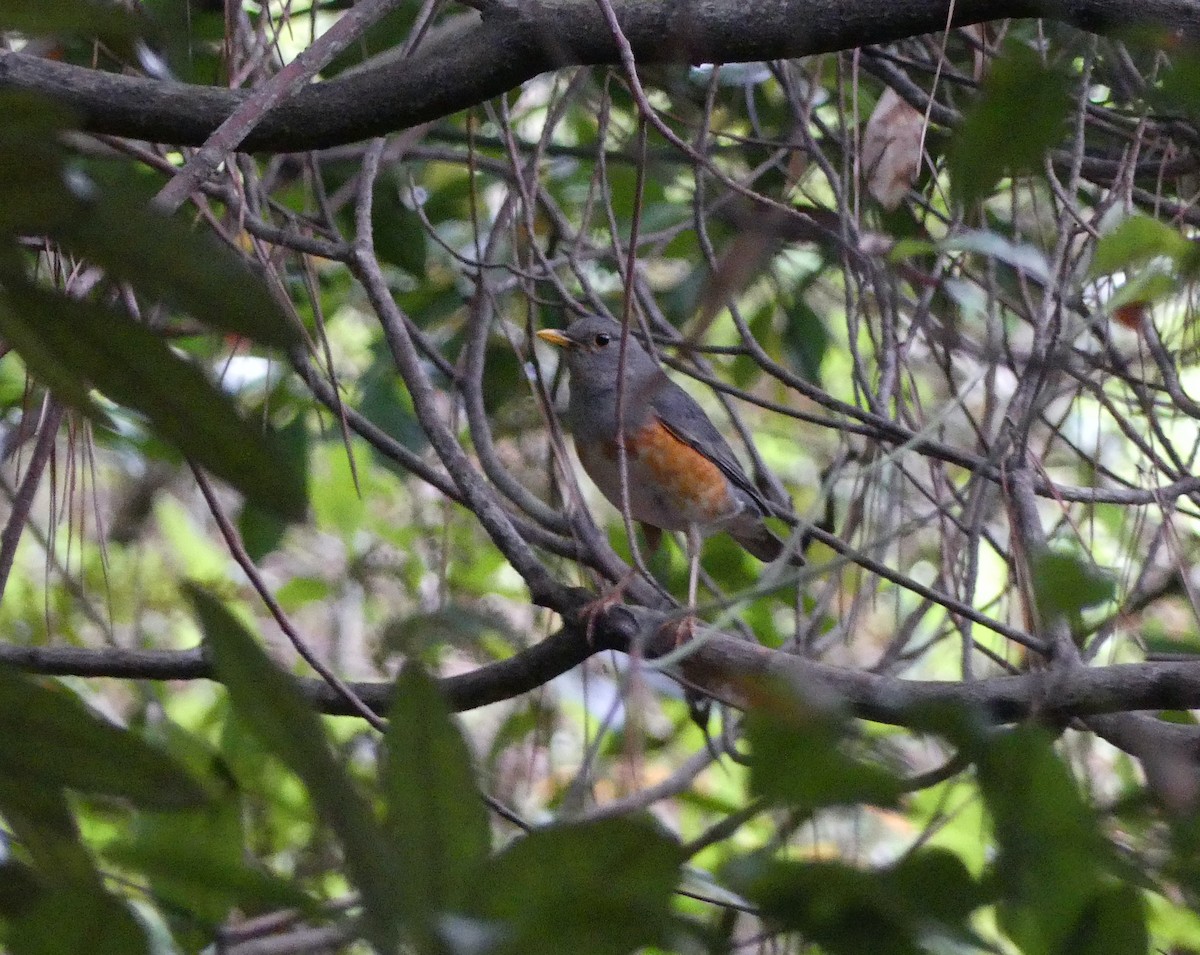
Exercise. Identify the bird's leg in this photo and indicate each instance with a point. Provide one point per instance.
(686, 625)
(693, 546)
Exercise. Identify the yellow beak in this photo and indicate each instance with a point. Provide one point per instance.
(555, 337)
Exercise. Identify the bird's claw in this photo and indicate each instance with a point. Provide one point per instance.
(680, 631)
(593, 610)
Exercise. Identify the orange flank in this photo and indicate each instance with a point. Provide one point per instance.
(682, 471)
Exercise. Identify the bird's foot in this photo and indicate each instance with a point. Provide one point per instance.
(680, 630)
(593, 610)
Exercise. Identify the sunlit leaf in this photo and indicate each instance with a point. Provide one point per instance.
(1134, 242)
(68, 342)
(1067, 583)
(910, 249)
(300, 591)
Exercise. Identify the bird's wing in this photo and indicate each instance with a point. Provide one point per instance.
(686, 420)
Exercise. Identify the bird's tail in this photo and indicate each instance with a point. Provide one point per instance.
(761, 541)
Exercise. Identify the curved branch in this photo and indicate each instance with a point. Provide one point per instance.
(726, 667)
(467, 65)
(521, 673)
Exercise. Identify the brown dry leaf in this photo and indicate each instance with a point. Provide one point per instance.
(747, 256)
(892, 149)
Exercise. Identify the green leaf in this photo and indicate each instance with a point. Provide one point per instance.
(103, 213)
(1020, 113)
(61, 905)
(399, 234)
(598, 888)
(1179, 87)
(262, 530)
(32, 190)
(165, 259)
(905, 249)
(1145, 287)
(1066, 583)
(76, 918)
(198, 860)
(1020, 255)
(66, 342)
(1052, 857)
(388, 406)
(272, 708)
(805, 340)
(1114, 923)
(388, 32)
(797, 758)
(896, 910)
(192, 33)
(502, 368)
(39, 18)
(301, 591)
(1161, 643)
(39, 351)
(192, 860)
(19, 888)
(435, 817)
(1134, 242)
(41, 821)
(49, 739)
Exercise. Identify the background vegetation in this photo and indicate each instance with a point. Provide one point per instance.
(278, 441)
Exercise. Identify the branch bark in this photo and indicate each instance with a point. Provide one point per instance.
(720, 664)
(478, 58)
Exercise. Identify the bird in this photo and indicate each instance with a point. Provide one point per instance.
(681, 474)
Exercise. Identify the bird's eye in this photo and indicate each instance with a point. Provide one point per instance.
(602, 340)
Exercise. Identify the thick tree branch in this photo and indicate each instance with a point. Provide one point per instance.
(466, 66)
(727, 667)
